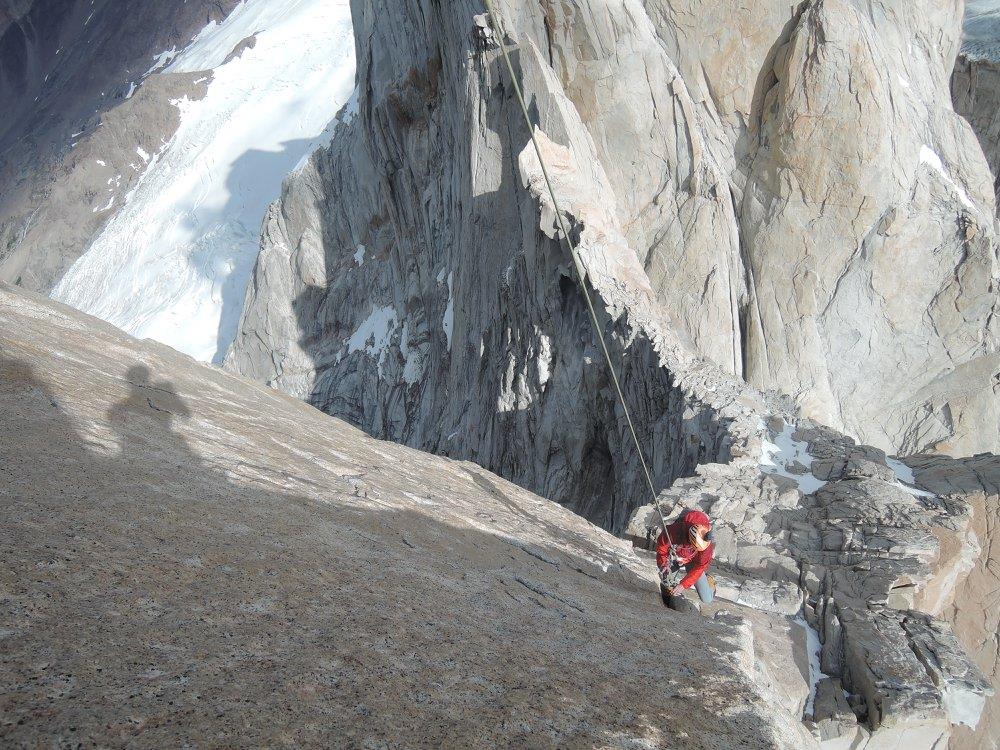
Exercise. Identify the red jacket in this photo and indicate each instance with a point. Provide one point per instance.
(696, 562)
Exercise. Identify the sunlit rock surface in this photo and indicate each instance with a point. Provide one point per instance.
(188, 557)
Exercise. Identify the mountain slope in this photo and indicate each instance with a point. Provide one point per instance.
(72, 75)
(173, 263)
(201, 559)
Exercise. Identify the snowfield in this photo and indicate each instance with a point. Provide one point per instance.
(173, 263)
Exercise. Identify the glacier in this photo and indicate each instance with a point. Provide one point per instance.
(173, 264)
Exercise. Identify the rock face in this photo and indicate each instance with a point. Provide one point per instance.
(766, 216)
(883, 566)
(975, 611)
(202, 557)
(78, 100)
(863, 174)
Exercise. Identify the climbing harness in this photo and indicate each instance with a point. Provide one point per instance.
(672, 576)
(577, 263)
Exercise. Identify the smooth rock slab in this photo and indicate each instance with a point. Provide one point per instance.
(190, 558)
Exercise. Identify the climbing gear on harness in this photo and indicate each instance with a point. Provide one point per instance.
(577, 263)
(673, 574)
(671, 577)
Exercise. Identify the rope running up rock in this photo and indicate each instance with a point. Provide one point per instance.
(577, 263)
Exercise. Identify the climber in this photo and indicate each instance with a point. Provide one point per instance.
(687, 544)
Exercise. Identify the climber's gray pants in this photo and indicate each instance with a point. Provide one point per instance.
(704, 589)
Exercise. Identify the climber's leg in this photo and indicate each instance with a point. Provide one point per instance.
(705, 589)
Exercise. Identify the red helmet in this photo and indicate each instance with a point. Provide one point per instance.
(697, 518)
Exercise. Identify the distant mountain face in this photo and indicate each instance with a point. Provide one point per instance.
(173, 263)
(64, 64)
(975, 83)
(981, 29)
(183, 116)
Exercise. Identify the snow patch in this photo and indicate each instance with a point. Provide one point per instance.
(813, 648)
(102, 162)
(905, 477)
(903, 472)
(102, 209)
(174, 262)
(162, 60)
(374, 333)
(448, 321)
(784, 452)
(131, 89)
(413, 367)
(544, 359)
(142, 154)
(929, 157)
(359, 255)
(963, 706)
(903, 81)
(350, 110)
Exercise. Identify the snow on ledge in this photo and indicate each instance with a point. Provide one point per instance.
(784, 452)
(448, 321)
(813, 648)
(374, 333)
(905, 477)
(930, 157)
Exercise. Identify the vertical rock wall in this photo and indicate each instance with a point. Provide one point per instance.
(788, 208)
(868, 219)
(430, 307)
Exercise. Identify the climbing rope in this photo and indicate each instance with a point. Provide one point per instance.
(574, 254)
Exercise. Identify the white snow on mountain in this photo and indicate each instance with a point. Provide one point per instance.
(783, 455)
(374, 333)
(929, 157)
(173, 263)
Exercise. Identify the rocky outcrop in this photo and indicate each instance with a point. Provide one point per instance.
(880, 563)
(975, 610)
(200, 556)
